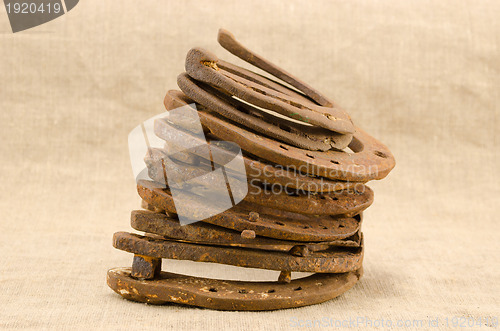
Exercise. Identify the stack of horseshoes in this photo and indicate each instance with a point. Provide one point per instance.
(306, 166)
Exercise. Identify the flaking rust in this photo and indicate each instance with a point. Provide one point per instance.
(270, 222)
(209, 234)
(232, 295)
(306, 165)
(332, 260)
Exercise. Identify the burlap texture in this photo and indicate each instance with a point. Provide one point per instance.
(422, 77)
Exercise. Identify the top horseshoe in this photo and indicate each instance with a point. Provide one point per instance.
(257, 90)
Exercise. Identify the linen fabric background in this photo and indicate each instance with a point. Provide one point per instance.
(423, 77)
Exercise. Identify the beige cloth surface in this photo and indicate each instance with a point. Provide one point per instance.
(422, 77)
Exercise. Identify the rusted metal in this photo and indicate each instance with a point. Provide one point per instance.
(227, 40)
(206, 67)
(200, 176)
(147, 206)
(300, 250)
(229, 294)
(253, 216)
(370, 158)
(209, 234)
(349, 202)
(256, 168)
(332, 260)
(291, 216)
(299, 228)
(285, 277)
(265, 172)
(346, 202)
(248, 234)
(293, 133)
(306, 165)
(145, 267)
(259, 174)
(280, 177)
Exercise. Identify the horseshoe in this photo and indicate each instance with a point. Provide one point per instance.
(294, 133)
(203, 66)
(333, 260)
(229, 294)
(288, 226)
(370, 158)
(208, 234)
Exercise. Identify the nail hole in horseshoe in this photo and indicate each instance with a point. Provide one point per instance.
(297, 288)
(212, 289)
(324, 227)
(341, 226)
(380, 154)
(242, 291)
(334, 162)
(243, 110)
(284, 147)
(280, 223)
(271, 291)
(309, 155)
(285, 127)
